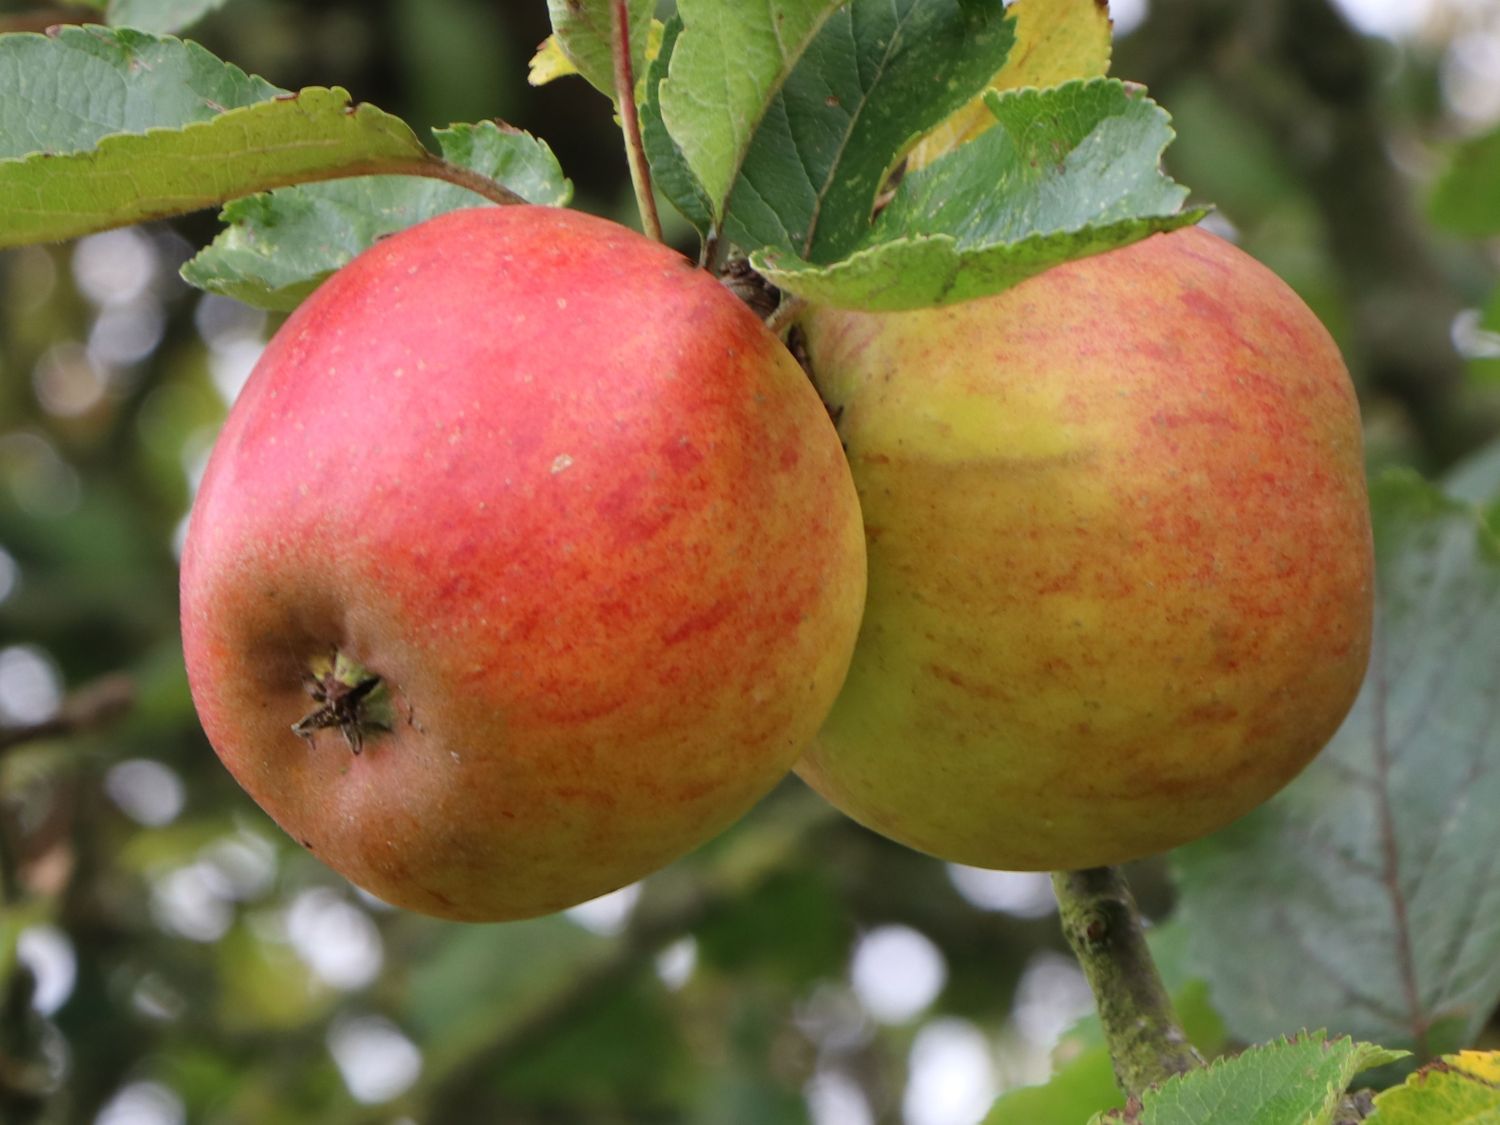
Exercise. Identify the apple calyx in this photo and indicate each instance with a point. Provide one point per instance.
(349, 697)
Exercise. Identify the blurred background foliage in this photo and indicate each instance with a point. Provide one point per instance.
(168, 957)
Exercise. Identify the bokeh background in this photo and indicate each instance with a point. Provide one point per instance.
(166, 956)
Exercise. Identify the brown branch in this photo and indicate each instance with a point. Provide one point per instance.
(1100, 920)
(630, 120)
(94, 705)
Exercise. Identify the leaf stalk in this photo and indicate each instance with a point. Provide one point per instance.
(630, 120)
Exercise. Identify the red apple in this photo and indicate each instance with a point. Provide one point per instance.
(1120, 573)
(527, 561)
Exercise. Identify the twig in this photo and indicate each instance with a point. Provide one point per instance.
(94, 705)
(635, 148)
(1100, 920)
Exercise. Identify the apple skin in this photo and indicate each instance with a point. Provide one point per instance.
(581, 514)
(1120, 564)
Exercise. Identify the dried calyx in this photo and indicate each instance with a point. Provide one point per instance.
(349, 698)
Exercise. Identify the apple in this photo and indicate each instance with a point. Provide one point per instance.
(1120, 565)
(527, 560)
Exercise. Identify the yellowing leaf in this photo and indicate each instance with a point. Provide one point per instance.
(585, 32)
(1056, 41)
(549, 63)
(1462, 1089)
(654, 41)
(1483, 1065)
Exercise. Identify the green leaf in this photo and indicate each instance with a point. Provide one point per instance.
(1361, 897)
(1476, 479)
(669, 170)
(1462, 1089)
(160, 15)
(1288, 1082)
(1068, 171)
(63, 93)
(1466, 199)
(129, 177)
(789, 927)
(478, 980)
(731, 62)
(280, 246)
(1056, 41)
(1485, 366)
(634, 1050)
(878, 74)
(513, 157)
(584, 33)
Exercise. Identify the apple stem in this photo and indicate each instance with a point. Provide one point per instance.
(635, 148)
(348, 697)
(1103, 925)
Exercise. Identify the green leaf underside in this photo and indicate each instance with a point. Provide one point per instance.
(669, 170)
(584, 30)
(66, 92)
(1363, 897)
(160, 15)
(729, 65)
(1288, 1082)
(878, 74)
(281, 245)
(1466, 199)
(1067, 172)
(130, 177)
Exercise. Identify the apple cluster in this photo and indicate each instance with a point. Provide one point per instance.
(529, 559)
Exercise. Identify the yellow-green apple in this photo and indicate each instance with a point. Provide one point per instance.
(1119, 557)
(526, 561)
